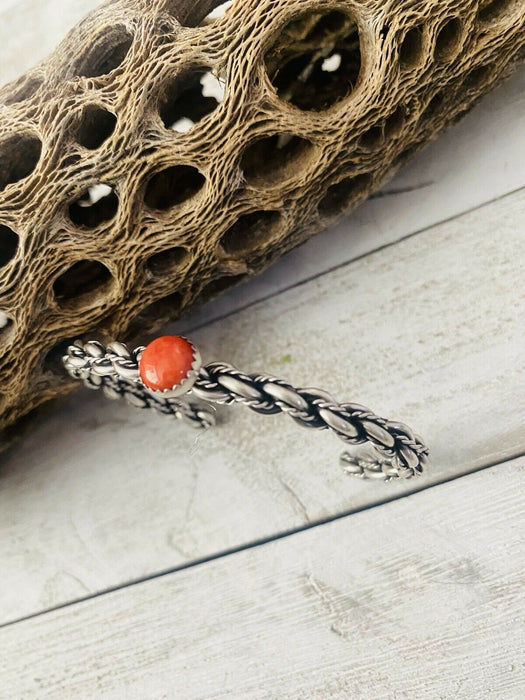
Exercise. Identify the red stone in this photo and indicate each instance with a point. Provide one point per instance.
(166, 362)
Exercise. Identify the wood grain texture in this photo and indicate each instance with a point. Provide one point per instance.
(419, 598)
(477, 160)
(429, 331)
(287, 148)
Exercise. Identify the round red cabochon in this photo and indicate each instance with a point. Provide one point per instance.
(166, 362)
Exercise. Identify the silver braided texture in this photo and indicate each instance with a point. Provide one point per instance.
(398, 454)
(402, 454)
(115, 370)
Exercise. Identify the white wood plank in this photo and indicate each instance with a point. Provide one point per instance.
(30, 30)
(8, 4)
(478, 160)
(419, 598)
(429, 331)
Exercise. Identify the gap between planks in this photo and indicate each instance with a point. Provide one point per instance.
(359, 609)
(260, 542)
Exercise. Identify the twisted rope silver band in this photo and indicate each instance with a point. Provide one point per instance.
(115, 370)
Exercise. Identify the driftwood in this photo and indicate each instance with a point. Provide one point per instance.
(161, 155)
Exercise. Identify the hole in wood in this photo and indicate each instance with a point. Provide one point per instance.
(218, 12)
(448, 41)
(105, 53)
(477, 77)
(8, 245)
(167, 261)
(27, 88)
(190, 98)
(19, 156)
(328, 26)
(276, 159)
(372, 139)
(173, 186)
(316, 61)
(491, 11)
(96, 126)
(201, 12)
(411, 52)
(96, 206)
(221, 284)
(251, 231)
(394, 123)
(340, 196)
(434, 106)
(6, 327)
(85, 282)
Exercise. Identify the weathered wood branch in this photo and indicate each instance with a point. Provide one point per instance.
(221, 144)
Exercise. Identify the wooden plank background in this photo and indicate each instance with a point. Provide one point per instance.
(418, 598)
(415, 306)
(429, 331)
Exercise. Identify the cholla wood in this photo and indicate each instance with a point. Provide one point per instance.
(323, 100)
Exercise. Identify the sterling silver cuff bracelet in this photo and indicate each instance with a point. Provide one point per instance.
(157, 376)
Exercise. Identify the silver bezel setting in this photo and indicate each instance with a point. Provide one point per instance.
(187, 383)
